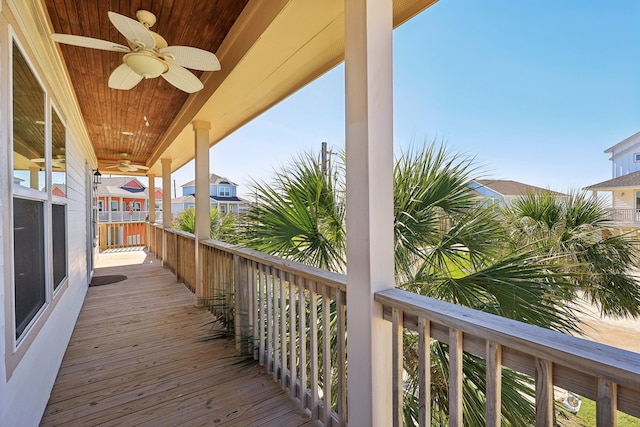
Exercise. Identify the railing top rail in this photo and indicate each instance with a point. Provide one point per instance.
(122, 222)
(335, 280)
(179, 232)
(596, 359)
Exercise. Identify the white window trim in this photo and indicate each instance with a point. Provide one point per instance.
(16, 348)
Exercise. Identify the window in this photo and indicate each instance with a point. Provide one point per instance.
(224, 191)
(636, 157)
(28, 125)
(59, 238)
(38, 144)
(58, 155)
(114, 206)
(136, 206)
(637, 200)
(100, 205)
(29, 261)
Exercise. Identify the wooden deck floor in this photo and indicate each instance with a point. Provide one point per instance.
(135, 359)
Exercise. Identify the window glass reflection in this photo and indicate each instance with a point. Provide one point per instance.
(28, 125)
(58, 157)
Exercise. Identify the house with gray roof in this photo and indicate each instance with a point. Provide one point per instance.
(223, 194)
(502, 191)
(624, 185)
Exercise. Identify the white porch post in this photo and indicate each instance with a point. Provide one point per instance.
(152, 198)
(369, 159)
(201, 130)
(166, 203)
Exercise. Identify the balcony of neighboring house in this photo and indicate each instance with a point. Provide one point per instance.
(269, 346)
(622, 217)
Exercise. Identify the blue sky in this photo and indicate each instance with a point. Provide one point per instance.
(534, 90)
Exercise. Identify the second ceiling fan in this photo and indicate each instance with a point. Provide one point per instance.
(148, 54)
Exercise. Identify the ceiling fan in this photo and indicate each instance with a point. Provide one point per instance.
(148, 54)
(56, 162)
(125, 165)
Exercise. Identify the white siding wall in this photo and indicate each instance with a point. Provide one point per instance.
(25, 387)
(624, 199)
(623, 156)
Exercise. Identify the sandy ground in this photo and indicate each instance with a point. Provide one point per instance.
(621, 333)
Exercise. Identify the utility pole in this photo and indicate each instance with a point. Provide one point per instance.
(324, 158)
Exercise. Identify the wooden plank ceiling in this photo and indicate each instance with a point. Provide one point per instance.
(109, 112)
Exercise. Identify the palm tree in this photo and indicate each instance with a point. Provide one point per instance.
(301, 216)
(221, 226)
(576, 230)
(447, 246)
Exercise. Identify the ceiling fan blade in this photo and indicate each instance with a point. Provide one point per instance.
(112, 167)
(192, 57)
(124, 78)
(132, 29)
(182, 78)
(140, 167)
(89, 42)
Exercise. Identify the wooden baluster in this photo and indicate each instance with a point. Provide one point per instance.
(342, 356)
(607, 403)
(494, 383)
(269, 319)
(263, 317)
(396, 358)
(313, 326)
(276, 325)
(424, 371)
(326, 354)
(544, 393)
(455, 378)
(254, 300)
(283, 330)
(292, 337)
(302, 310)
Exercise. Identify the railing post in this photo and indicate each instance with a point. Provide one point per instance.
(544, 393)
(607, 403)
(241, 301)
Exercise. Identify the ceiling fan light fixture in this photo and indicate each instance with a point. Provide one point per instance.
(144, 64)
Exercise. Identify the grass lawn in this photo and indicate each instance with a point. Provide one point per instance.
(586, 417)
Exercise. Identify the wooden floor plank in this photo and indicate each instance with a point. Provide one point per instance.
(137, 357)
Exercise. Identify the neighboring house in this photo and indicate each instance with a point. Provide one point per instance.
(223, 195)
(493, 191)
(625, 156)
(624, 185)
(122, 199)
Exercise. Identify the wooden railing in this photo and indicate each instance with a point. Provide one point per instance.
(123, 216)
(122, 234)
(608, 375)
(290, 316)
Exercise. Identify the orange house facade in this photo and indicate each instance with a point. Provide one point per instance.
(122, 208)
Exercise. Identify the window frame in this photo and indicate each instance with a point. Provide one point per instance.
(17, 347)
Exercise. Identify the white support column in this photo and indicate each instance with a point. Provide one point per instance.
(201, 131)
(166, 203)
(152, 198)
(166, 193)
(369, 165)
